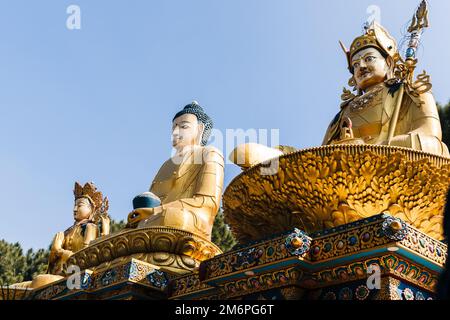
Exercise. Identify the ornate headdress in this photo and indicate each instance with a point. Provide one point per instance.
(376, 37)
(89, 191)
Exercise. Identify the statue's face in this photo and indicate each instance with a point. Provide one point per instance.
(186, 131)
(82, 209)
(370, 68)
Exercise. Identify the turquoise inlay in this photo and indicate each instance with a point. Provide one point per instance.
(420, 260)
(306, 265)
(256, 270)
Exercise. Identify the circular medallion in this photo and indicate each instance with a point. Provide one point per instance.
(340, 245)
(365, 237)
(362, 292)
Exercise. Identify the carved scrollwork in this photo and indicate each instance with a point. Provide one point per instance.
(328, 186)
(162, 246)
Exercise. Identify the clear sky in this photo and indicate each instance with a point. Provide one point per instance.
(96, 104)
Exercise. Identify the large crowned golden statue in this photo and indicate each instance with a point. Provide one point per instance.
(388, 108)
(382, 153)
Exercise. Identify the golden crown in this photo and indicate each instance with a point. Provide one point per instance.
(375, 36)
(89, 191)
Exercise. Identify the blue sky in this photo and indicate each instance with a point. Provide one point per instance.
(96, 104)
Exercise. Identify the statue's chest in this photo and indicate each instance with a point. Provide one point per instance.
(175, 182)
(74, 238)
(369, 113)
(165, 180)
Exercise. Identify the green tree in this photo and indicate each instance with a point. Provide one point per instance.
(221, 234)
(116, 226)
(37, 263)
(17, 267)
(12, 263)
(444, 115)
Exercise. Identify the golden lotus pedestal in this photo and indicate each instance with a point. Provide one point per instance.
(172, 250)
(131, 264)
(328, 186)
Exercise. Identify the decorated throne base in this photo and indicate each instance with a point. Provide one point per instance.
(333, 264)
(330, 264)
(173, 250)
(325, 187)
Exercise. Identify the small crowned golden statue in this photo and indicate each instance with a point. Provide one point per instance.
(189, 184)
(388, 107)
(90, 213)
(91, 221)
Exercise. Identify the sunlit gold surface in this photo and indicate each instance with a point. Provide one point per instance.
(91, 221)
(78, 236)
(169, 248)
(328, 186)
(388, 107)
(250, 154)
(190, 183)
(190, 192)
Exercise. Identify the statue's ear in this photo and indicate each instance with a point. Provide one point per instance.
(391, 65)
(390, 62)
(201, 129)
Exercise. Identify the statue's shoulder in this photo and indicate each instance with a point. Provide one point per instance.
(346, 97)
(420, 89)
(212, 154)
(87, 227)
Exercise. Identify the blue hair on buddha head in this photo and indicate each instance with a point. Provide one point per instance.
(195, 109)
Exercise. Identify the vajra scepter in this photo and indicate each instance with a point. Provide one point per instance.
(418, 24)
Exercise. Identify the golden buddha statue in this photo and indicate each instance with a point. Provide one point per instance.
(91, 221)
(388, 107)
(189, 184)
(90, 213)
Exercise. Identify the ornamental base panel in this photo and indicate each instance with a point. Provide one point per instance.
(378, 258)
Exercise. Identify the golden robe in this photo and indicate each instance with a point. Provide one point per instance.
(190, 191)
(76, 238)
(418, 126)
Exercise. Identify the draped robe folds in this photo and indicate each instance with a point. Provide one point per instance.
(190, 191)
(418, 126)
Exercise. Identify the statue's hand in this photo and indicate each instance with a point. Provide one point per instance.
(66, 254)
(137, 215)
(106, 224)
(58, 241)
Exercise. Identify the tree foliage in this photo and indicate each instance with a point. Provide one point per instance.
(116, 226)
(15, 266)
(444, 115)
(221, 234)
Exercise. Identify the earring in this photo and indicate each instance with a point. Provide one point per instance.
(352, 83)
